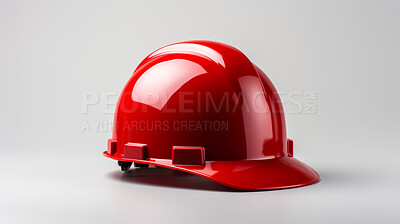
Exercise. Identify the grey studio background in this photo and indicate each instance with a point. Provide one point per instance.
(54, 55)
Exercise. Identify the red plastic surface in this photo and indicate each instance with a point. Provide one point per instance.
(135, 151)
(285, 172)
(188, 155)
(111, 146)
(290, 147)
(209, 94)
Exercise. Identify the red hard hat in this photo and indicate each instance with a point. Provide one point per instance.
(204, 108)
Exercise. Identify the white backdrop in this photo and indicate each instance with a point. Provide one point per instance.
(54, 53)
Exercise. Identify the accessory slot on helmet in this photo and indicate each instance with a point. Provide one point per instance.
(135, 151)
(188, 155)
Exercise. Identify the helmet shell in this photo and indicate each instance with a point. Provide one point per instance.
(202, 107)
(201, 93)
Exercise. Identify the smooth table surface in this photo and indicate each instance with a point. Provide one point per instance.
(88, 188)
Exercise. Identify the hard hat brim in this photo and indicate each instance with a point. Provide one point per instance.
(267, 174)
